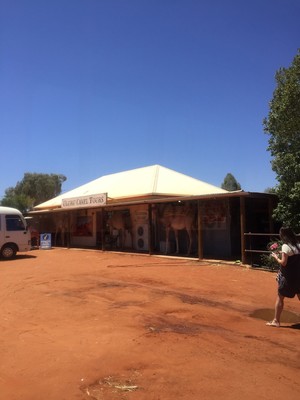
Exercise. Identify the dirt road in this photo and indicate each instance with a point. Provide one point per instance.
(85, 325)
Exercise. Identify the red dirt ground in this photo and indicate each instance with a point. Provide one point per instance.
(86, 325)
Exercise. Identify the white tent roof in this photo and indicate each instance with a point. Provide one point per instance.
(152, 181)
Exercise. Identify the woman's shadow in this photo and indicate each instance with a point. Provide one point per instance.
(294, 326)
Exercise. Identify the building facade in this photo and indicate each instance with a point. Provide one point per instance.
(161, 219)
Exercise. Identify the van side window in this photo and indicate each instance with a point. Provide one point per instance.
(14, 223)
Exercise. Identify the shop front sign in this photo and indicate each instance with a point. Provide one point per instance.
(94, 200)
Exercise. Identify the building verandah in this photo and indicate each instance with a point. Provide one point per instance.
(210, 227)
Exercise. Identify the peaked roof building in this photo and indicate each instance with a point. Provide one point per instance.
(150, 182)
(133, 209)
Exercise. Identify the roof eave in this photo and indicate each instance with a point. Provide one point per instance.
(127, 201)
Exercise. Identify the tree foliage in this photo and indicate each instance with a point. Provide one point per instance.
(283, 127)
(271, 190)
(230, 183)
(33, 189)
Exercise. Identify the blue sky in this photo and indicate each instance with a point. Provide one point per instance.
(93, 87)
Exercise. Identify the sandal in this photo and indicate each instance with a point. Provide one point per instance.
(273, 323)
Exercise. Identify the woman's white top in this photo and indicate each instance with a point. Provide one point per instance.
(290, 250)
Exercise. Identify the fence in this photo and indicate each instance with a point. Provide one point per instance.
(256, 245)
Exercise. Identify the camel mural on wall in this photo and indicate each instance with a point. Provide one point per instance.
(177, 218)
(119, 222)
(61, 228)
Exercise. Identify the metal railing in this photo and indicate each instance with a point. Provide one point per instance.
(255, 247)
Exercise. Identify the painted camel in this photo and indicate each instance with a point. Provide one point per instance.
(118, 221)
(178, 218)
(61, 227)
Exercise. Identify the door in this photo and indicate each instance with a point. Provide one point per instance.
(1, 231)
(15, 231)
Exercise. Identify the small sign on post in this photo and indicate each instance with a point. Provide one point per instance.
(45, 241)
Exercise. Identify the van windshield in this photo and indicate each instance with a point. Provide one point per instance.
(14, 223)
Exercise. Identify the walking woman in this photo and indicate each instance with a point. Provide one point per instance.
(288, 277)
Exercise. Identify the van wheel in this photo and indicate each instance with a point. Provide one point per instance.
(8, 251)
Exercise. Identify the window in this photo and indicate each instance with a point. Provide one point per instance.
(14, 223)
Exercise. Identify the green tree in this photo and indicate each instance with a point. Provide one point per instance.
(283, 127)
(230, 183)
(271, 190)
(33, 189)
(15, 200)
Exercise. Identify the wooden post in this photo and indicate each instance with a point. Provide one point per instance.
(69, 230)
(150, 229)
(200, 232)
(243, 227)
(102, 230)
(270, 209)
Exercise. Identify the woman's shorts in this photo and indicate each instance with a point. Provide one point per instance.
(285, 289)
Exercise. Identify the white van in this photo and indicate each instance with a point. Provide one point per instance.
(14, 235)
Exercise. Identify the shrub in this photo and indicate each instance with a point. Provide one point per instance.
(267, 260)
